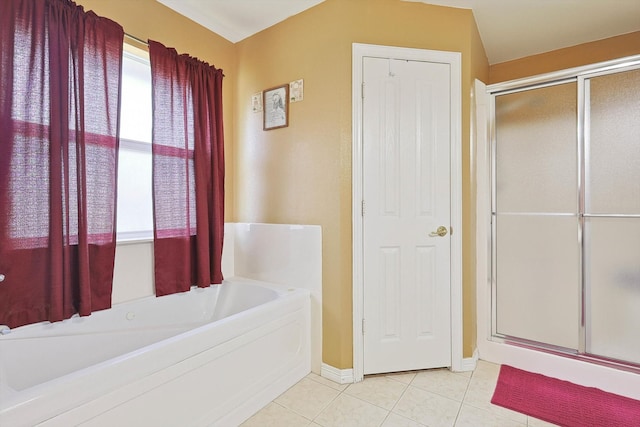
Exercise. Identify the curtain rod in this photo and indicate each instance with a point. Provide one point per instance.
(134, 38)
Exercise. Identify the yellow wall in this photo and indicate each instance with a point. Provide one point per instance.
(583, 54)
(148, 19)
(302, 173)
(479, 70)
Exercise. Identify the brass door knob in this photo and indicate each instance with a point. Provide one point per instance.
(440, 232)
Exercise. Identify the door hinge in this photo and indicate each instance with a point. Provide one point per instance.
(362, 326)
(362, 90)
(362, 208)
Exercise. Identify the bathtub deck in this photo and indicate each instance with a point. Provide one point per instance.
(218, 373)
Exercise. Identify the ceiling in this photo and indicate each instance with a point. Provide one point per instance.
(512, 29)
(236, 20)
(509, 29)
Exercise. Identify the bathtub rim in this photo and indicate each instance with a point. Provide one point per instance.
(7, 336)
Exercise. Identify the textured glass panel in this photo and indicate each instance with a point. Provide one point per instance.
(614, 152)
(613, 268)
(537, 287)
(536, 165)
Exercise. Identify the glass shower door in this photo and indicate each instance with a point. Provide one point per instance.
(612, 215)
(536, 268)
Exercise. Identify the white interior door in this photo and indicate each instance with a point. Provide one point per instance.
(406, 199)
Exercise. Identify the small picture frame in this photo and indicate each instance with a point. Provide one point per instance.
(296, 90)
(275, 104)
(256, 102)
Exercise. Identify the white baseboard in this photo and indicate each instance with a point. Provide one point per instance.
(345, 376)
(470, 363)
(340, 376)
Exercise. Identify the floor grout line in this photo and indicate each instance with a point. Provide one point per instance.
(406, 387)
(327, 405)
(431, 386)
(464, 395)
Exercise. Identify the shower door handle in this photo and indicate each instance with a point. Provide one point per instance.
(440, 232)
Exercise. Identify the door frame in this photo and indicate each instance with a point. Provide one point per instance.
(453, 59)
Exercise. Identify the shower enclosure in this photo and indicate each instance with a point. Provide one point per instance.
(566, 212)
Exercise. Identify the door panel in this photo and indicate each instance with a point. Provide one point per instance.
(613, 148)
(536, 152)
(537, 266)
(537, 271)
(406, 137)
(612, 211)
(613, 274)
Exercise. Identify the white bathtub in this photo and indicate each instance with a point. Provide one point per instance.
(210, 356)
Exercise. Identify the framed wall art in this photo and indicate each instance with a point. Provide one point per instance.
(275, 104)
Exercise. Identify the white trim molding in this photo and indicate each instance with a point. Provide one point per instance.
(470, 363)
(454, 59)
(340, 376)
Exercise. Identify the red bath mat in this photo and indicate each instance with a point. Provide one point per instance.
(563, 403)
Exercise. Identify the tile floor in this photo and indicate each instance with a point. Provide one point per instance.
(433, 398)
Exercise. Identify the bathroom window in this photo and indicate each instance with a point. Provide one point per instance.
(135, 211)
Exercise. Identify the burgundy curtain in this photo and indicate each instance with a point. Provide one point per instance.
(60, 73)
(188, 170)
